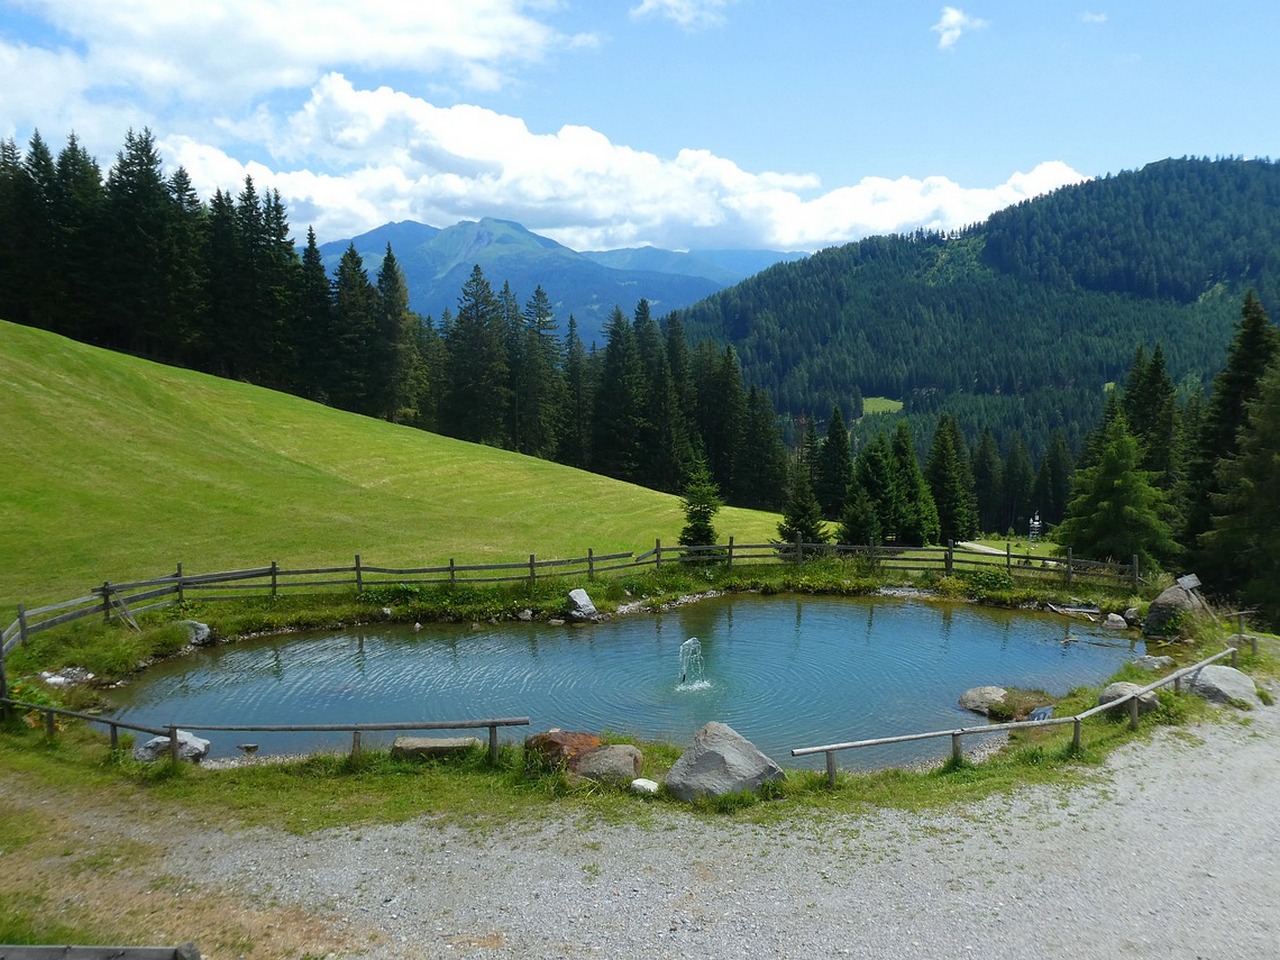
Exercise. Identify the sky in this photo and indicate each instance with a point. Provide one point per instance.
(685, 124)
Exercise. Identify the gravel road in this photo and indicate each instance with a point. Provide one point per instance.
(1175, 853)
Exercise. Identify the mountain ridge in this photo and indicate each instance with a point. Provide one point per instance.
(436, 261)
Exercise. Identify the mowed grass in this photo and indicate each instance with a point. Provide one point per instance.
(872, 405)
(117, 469)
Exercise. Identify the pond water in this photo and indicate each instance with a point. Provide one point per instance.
(783, 672)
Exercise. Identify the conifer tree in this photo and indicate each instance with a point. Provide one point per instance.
(1244, 541)
(355, 311)
(574, 446)
(762, 459)
(1252, 350)
(834, 466)
(1018, 483)
(618, 410)
(399, 377)
(918, 525)
(988, 482)
(1052, 490)
(876, 473)
(701, 502)
(475, 402)
(802, 514)
(859, 522)
(1116, 510)
(951, 482)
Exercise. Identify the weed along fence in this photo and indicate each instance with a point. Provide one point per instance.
(1131, 700)
(125, 601)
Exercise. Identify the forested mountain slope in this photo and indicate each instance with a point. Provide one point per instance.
(1046, 302)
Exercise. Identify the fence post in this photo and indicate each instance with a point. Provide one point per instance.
(173, 743)
(957, 749)
(799, 548)
(359, 576)
(181, 595)
(1069, 570)
(275, 569)
(591, 563)
(533, 572)
(4, 687)
(1133, 713)
(731, 552)
(50, 727)
(1008, 556)
(1075, 735)
(657, 553)
(115, 738)
(22, 623)
(951, 557)
(453, 573)
(1136, 578)
(355, 744)
(493, 743)
(106, 601)
(1235, 656)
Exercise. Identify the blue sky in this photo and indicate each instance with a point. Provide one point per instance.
(788, 124)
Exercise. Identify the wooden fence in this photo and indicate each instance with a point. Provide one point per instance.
(187, 951)
(171, 731)
(957, 736)
(124, 601)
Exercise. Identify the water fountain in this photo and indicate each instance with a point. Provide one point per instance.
(691, 664)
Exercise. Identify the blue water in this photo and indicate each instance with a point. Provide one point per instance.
(783, 672)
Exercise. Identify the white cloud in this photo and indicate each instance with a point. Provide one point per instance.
(952, 24)
(391, 156)
(229, 51)
(1087, 17)
(687, 13)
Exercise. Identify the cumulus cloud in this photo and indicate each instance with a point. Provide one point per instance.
(233, 50)
(952, 24)
(392, 156)
(1087, 17)
(687, 13)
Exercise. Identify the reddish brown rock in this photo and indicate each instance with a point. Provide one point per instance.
(556, 748)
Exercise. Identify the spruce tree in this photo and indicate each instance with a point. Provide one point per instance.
(1116, 510)
(1244, 541)
(834, 467)
(1252, 350)
(859, 523)
(619, 408)
(951, 482)
(1018, 483)
(475, 402)
(802, 514)
(876, 473)
(918, 525)
(988, 482)
(701, 502)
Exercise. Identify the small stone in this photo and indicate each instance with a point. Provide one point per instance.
(643, 785)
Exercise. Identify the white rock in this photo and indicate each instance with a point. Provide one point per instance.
(642, 785)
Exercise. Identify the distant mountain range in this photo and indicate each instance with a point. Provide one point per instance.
(437, 262)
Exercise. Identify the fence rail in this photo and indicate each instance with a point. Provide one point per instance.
(172, 730)
(957, 736)
(187, 951)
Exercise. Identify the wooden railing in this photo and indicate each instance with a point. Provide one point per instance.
(356, 730)
(957, 736)
(187, 951)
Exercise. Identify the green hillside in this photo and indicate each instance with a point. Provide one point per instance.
(116, 468)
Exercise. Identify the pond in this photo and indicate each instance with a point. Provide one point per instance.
(783, 672)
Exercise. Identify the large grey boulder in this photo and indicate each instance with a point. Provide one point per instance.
(581, 609)
(720, 762)
(981, 699)
(1147, 702)
(617, 763)
(190, 747)
(1219, 684)
(1153, 663)
(1168, 608)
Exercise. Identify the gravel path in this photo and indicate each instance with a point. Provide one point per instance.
(1175, 854)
